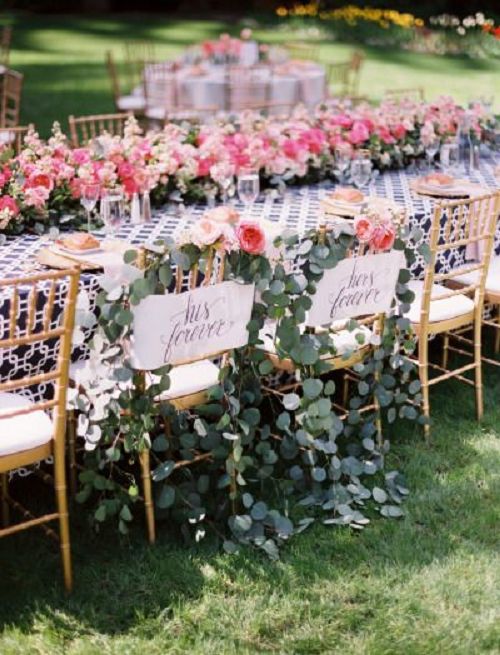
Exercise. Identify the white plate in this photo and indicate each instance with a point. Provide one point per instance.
(79, 252)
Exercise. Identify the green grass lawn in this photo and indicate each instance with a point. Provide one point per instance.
(427, 584)
(62, 58)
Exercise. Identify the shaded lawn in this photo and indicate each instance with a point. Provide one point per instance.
(427, 584)
(63, 60)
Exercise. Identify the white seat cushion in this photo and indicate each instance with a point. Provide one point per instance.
(184, 380)
(25, 431)
(130, 103)
(440, 310)
(343, 340)
(156, 113)
(492, 280)
(191, 378)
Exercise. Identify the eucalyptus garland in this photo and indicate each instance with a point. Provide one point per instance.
(247, 461)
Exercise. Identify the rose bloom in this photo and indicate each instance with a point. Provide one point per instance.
(8, 204)
(37, 179)
(223, 215)
(383, 236)
(205, 232)
(36, 196)
(251, 237)
(364, 228)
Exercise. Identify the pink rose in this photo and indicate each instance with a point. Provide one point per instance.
(37, 179)
(205, 232)
(364, 228)
(399, 131)
(36, 197)
(8, 204)
(383, 236)
(251, 237)
(359, 133)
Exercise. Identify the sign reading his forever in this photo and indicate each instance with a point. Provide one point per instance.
(356, 287)
(178, 328)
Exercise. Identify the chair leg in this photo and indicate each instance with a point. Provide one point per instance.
(446, 345)
(148, 495)
(497, 331)
(345, 391)
(4, 491)
(478, 385)
(423, 370)
(62, 509)
(71, 434)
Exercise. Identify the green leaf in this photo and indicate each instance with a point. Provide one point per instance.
(130, 256)
(312, 388)
(243, 522)
(162, 471)
(230, 547)
(124, 317)
(165, 275)
(100, 513)
(125, 513)
(166, 497)
(259, 511)
(247, 500)
(291, 401)
(379, 495)
(265, 367)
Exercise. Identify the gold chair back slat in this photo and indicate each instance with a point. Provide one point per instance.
(13, 137)
(5, 42)
(400, 95)
(137, 55)
(11, 86)
(84, 128)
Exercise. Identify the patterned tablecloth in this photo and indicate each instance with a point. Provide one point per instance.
(298, 209)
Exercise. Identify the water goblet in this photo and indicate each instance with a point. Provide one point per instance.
(343, 154)
(361, 171)
(112, 210)
(248, 187)
(431, 150)
(89, 197)
(223, 173)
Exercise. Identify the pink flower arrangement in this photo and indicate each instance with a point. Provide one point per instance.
(222, 226)
(376, 230)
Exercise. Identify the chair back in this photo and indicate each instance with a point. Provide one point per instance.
(5, 41)
(415, 94)
(84, 128)
(11, 86)
(13, 137)
(199, 316)
(248, 89)
(160, 87)
(456, 226)
(137, 55)
(113, 76)
(301, 50)
(32, 318)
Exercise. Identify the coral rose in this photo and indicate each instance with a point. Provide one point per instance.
(9, 205)
(383, 236)
(364, 228)
(251, 237)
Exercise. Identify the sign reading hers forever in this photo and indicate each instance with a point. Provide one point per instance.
(178, 328)
(356, 287)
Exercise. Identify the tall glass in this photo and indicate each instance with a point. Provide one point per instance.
(343, 155)
(223, 173)
(431, 150)
(361, 171)
(248, 187)
(89, 197)
(449, 156)
(112, 210)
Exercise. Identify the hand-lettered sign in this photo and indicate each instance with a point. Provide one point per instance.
(178, 328)
(356, 287)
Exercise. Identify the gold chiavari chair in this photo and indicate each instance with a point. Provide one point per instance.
(27, 433)
(13, 137)
(344, 76)
(492, 300)
(137, 55)
(5, 41)
(160, 91)
(190, 381)
(123, 102)
(301, 50)
(399, 95)
(437, 309)
(11, 86)
(351, 347)
(84, 128)
(247, 90)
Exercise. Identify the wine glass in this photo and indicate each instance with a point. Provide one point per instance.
(343, 159)
(248, 187)
(431, 150)
(222, 173)
(361, 171)
(89, 197)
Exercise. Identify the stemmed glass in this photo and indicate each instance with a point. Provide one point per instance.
(449, 157)
(431, 150)
(248, 187)
(89, 197)
(223, 173)
(361, 171)
(112, 209)
(343, 155)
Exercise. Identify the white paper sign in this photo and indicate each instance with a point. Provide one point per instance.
(177, 328)
(356, 287)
